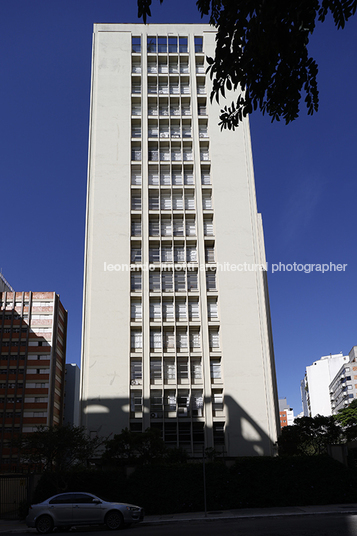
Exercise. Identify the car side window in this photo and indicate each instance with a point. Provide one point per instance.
(66, 498)
(83, 498)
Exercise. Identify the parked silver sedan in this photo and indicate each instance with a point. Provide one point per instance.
(71, 509)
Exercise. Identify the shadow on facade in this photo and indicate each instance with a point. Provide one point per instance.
(233, 433)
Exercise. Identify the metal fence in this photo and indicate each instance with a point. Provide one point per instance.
(14, 490)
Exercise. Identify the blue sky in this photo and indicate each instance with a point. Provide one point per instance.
(305, 175)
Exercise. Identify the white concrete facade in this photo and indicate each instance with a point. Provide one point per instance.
(185, 347)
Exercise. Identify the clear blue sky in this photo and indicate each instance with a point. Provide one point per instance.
(305, 175)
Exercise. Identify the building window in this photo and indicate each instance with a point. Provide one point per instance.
(183, 45)
(179, 254)
(180, 281)
(192, 281)
(169, 370)
(214, 338)
(200, 67)
(136, 65)
(136, 371)
(136, 44)
(177, 177)
(166, 201)
(167, 282)
(136, 108)
(154, 202)
(136, 340)
(151, 44)
(172, 45)
(168, 311)
(155, 339)
(198, 44)
(183, 407)
(136, 310)
(181, 340)
(215, 365)
(207, 200)
(154, 281)
(211, 281)
(209, 253)
(166, 227)
(181, 311)
(169, 340)
(136, 88)
(205, 176)
(178, 226)
(135, 253)
(136, 226)
(189, 201)
(208, 226)
(195, 339)
(194, 311)
(155, 370)
(136, 403)
(191, 253)
(136, 200)
(155, 310)
(136, 152)
(154, 255)
(177, 200)
(135, 281)
(162, 45)
(182, 370)
(196, 370)
(190, 227)
(212, 308)
(218, 433)
(197, 403)
(154, 226)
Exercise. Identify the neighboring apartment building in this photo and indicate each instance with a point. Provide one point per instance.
(4, 285)
(33, 328)
(176, 322)
(315, 387)
(286, 413)
(343, 388)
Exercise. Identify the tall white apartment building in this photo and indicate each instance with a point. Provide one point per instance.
(315, 387)
(176, 324)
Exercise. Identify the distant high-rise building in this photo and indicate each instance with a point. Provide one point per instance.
(176, 323)
(286, 413)
(315, 387)
(71, 395)
(33, 328)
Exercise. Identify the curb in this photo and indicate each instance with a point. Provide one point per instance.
(13, 527)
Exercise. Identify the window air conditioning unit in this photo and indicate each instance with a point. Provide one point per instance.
(155, 415)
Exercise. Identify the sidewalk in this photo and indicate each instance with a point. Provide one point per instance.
(13, 527)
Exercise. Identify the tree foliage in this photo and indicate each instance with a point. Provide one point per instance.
(347, 418)
(134, 448)
(56, 448)
(309, 436)
(261, 51)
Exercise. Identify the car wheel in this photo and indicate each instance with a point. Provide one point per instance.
(44, 524)
(114, 520)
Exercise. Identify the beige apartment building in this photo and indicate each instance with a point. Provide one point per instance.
(176, 324)
(33, 330)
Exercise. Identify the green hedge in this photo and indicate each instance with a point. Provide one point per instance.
(250, 482)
